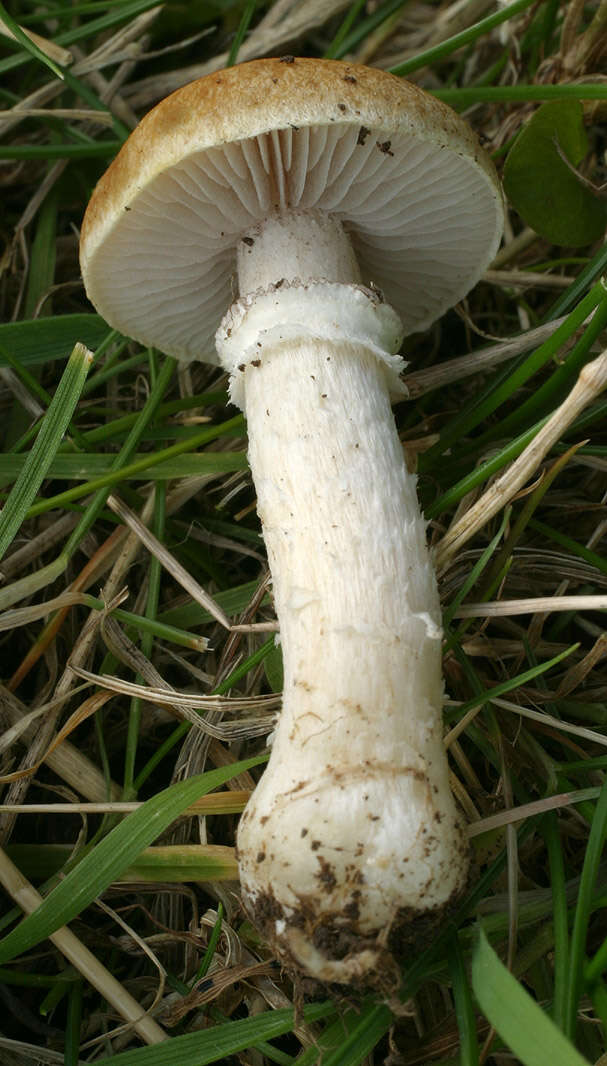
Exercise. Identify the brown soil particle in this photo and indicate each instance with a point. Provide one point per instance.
(326, 874)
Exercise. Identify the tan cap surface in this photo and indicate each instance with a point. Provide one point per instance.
(402, 171)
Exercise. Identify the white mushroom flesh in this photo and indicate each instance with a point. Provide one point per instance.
(351, 841)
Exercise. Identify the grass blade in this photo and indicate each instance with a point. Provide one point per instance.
(510, 380)
(559, 913)
(115, 853)
(39, 340)
(247, 15)
(583, 911)
(173, 864)
(92, 465)
(445, 48)
(54, 425)
(464, 1009)
(518, 1019)
(367, 1031)
(130, 469)
(216, 1044)
(27, 43)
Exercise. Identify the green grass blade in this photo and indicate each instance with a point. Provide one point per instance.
(368, 1029)
(120, 13)
(102, 149)
(207, 958)
(513, 683)
(366, 27)
(27, 44)
(120, 473)
(484, 471)
(219, 1042)
(597, 965)
(464, 1008)
(191, 615)
(93, 466)
(144, 418)
(559, 916)
(468, 95)
(41, 273)
(114, 854)
(583, 911)
(598, 994)
(138, 622)
(352, 14)
(512, 379)
(476, 571)
(445, 48)
(247, 15)
(576, 290)
(571, 545)
(552, 391)
(521, 1022)
(170, 864)
(332, 1036)
(39, 341)
(73, 1023)
(52, 428)
(518, 1019)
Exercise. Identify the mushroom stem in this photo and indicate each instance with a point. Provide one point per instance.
(350, 845)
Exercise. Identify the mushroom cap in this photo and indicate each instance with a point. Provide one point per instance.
(403, 173)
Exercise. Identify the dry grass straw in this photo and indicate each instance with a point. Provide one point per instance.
(177, 571)
(591, 382)
(419, 382)
(28, 899)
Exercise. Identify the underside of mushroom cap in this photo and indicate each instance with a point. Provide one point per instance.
(401, 171)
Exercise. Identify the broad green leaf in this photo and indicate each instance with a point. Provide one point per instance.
(41, 340)
(544, 188)
(521, 1023)
(114, 854)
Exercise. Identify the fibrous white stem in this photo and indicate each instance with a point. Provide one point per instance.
(351, 839)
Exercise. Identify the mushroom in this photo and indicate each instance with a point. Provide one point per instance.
(353, 209)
